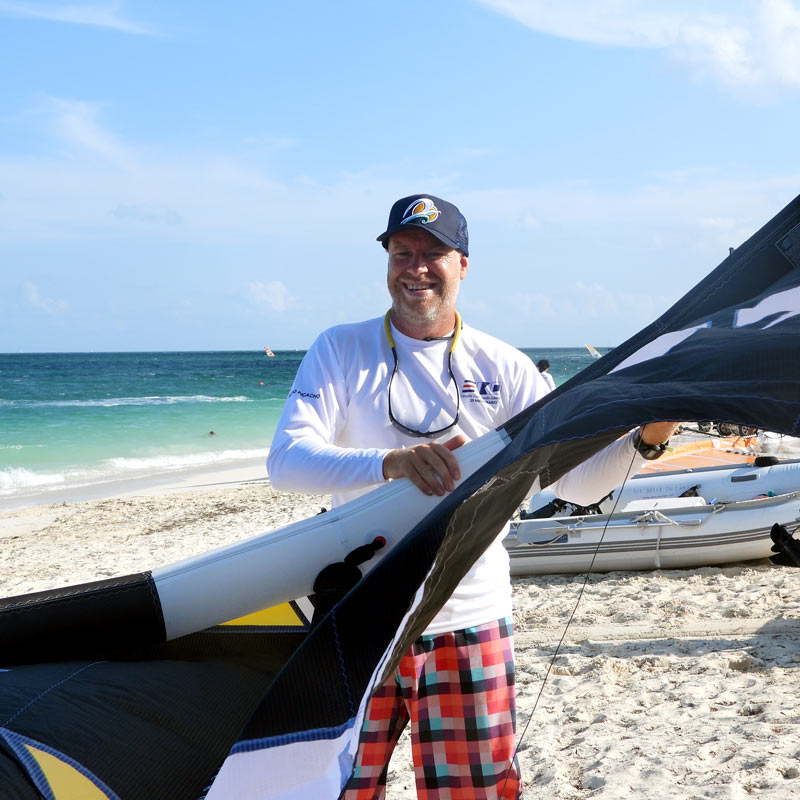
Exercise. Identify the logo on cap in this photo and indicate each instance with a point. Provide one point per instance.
(422, 210)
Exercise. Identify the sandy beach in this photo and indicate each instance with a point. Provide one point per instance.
(678, 684)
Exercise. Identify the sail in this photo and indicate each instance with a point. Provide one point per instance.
(268, 352)
(727, 350)
(592, 352)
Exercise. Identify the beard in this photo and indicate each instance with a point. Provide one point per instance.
(424, 312)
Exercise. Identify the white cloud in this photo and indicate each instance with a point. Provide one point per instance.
(666, 202)
(628, 23)
(97, 15)
(271, 296)
(44, 304)
(75, 123)
(104, 185)
(94, 181)
(743, 44)
(584, 300)
(603, 262)
(101, 184)
(674, 224)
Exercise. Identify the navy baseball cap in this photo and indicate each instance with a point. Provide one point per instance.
(433, 215)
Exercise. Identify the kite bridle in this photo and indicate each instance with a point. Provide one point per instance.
(586, 575)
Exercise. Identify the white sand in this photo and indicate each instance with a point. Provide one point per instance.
(69, 542)
(681, 684)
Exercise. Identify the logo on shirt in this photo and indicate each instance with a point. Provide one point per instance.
(481, 391)
(310, 395)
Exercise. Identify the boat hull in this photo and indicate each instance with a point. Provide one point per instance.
(666, 538)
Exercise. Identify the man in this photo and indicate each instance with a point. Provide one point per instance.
(392, 398)
(543, 365)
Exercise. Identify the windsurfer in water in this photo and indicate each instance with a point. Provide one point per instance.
(392, 398)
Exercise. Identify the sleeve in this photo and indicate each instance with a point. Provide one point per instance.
(597, 476)
(302, 455)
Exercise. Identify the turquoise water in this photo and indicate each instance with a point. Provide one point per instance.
(84, 418)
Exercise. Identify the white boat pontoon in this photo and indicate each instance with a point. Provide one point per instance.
(727, 516)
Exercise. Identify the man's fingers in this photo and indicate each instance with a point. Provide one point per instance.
(445, 463)
(433, 472)
(408, 463)
(431, 467)
(427, 480)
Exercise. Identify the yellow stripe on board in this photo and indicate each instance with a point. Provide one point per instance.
(282, 615)
(65, 781)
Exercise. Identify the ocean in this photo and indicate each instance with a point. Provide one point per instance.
(70, 420)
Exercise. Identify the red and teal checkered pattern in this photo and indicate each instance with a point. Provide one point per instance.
(457, 690)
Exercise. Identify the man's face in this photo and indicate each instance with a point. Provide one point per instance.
(423, 278)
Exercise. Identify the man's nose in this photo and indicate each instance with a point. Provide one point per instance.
(419, 263)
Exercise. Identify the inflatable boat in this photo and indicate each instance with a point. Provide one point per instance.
(681, 519)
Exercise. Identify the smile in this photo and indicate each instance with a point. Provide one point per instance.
(418, 287)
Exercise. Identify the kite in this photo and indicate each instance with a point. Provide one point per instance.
(258, 711)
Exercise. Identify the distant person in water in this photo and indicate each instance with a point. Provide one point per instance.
(212, 433)
(543, 365)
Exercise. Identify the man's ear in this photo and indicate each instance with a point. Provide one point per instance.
(464, 266)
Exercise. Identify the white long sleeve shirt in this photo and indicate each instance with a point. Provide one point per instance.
(335, 430)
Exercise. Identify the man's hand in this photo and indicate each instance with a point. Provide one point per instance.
(658, 432)
(431, 467)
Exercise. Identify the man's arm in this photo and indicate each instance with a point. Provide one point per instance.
(302, 455)
(597, 476)
(658, 432)
(304, 458)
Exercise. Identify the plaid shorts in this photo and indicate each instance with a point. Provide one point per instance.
(457, 690)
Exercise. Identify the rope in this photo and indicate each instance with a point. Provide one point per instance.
(566, 627)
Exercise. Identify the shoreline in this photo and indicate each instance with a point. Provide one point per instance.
(146, 526)
(177, 480)
(167, 481)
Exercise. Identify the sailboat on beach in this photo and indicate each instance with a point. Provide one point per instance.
(592, 352)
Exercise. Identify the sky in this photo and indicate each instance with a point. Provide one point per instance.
(212, 176)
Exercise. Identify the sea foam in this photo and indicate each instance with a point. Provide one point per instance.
(166, 462)
(107, 402)
(20, 480)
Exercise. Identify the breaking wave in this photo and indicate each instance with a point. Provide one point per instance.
(108, 402)
(20, 480)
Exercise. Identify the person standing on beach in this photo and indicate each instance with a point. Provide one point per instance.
(543, 365)
(392, 398)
